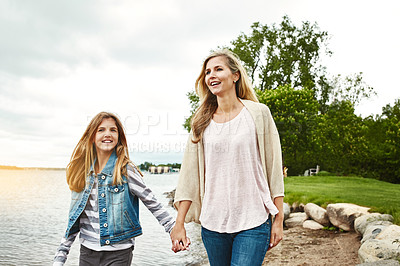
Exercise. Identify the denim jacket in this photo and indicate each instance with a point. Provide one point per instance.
(118, 208)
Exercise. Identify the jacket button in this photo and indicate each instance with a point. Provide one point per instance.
(105, 225)
(103, 177)
(104, 210)
(107, 242)
(103, 195)
(116, 189)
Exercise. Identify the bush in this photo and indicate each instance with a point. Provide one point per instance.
(324, 173)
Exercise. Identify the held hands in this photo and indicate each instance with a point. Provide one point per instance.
(179, 240)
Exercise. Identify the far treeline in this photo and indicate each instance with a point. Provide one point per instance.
(146, 165)
(315, 111)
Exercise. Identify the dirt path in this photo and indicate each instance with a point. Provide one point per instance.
(307, 247)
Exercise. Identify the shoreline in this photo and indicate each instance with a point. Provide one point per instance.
(9, 167)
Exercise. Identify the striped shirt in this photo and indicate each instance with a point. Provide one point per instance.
(89, 219)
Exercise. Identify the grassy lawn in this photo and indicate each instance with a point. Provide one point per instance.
(380, 196)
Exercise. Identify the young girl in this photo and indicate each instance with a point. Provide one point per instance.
(105, 188)
(231, 176)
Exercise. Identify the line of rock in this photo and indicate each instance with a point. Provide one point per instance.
(380, 243)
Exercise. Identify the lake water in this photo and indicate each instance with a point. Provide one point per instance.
(34, 211)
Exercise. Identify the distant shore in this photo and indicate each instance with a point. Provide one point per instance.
(9, 167)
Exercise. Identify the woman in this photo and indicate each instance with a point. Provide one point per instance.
(231, 178)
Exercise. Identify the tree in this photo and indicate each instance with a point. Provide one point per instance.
(391, 116)
(284, 54)
(294, 112)
(351, 88)
(145, 166)
(340, 142)
(194, 103)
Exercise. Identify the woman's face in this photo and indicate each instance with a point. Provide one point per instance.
(219, 78)
(106, 137)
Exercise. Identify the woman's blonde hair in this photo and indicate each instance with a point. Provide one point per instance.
(84, 154)
(208, 101)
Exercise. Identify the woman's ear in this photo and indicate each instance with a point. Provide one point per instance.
(236, 77)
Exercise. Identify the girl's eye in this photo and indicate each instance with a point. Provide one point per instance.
(207, 72)
(219, 69)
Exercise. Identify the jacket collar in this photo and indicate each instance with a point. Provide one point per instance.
(109, 168)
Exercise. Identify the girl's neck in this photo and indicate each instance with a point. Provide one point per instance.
(101, 161)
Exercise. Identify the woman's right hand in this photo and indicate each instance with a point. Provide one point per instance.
(179, 239)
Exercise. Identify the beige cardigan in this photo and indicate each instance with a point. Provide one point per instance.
(191, 178)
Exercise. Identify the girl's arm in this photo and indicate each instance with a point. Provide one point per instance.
(144, 193)
(62, 251)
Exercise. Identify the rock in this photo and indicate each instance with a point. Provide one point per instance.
(295, 207)
(310, 224)
(286, 210)
(385, 246)
(342, 215)
(392, 232)
(373, 230)
(317, 213)
(374, 250)
(361, 223)
(381, 263)
(170, 194)
(296, 219)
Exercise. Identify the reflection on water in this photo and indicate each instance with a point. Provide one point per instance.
(34, 208)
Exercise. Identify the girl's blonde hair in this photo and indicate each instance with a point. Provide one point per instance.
(208, 101)
(84, 154)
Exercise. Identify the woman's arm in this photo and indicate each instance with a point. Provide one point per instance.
(178, 233)
(277, 225)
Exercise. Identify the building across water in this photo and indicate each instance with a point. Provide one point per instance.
(162, 169)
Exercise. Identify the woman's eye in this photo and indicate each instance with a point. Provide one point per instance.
(219, 69)
(207, 72)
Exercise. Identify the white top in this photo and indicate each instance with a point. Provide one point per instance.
(236, 194)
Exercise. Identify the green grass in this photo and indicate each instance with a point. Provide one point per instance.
(380, 196)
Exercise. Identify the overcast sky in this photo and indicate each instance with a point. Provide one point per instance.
(62, 62)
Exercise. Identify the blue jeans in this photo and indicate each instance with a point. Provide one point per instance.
(246, 247)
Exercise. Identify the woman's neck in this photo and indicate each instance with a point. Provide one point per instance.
(228, 104)
(101, 161)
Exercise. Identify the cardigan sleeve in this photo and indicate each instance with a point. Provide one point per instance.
(188, 187)
(273, 155)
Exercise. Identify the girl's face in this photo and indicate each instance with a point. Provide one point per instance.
(106, 137)
(218, 76)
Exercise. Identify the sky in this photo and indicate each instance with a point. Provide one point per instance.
(62, 62)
